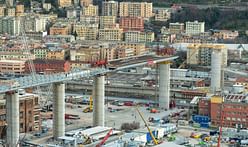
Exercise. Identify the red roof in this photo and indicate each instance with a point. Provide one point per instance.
(241, 79)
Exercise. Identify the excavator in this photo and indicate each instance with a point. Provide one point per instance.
(90, 108)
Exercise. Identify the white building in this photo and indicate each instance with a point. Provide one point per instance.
(195, 27)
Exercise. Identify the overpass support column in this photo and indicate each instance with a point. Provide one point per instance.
(98, 100)
(12, 118)
(59, 110)
(164, 85)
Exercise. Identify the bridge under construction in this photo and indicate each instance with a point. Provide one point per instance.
(58, 80)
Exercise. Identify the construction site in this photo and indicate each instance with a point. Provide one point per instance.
(134, 101)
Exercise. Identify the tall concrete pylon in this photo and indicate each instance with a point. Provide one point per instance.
(164, 85)
(98, 100)
(59, 110)
(12, 118)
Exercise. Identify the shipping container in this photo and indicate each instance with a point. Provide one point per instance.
(200, 119)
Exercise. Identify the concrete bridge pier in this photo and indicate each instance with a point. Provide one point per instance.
(59, 110)
(12, 118)
(164, 85)
(98, 100)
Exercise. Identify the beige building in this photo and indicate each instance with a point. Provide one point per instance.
(136, 9)
(58, 54)
(138, 48)
(110, 34)
(86, 31)
(107, 21)
(60, 29)
(176, 28)
(2, 9)
(200, 54)
(84, 3)
(65, 3)
(137, 36)
(19, 10)
(195, 27)
(90, 10)
(12, 66)
(10, 11)
(225, 34)
(124, 52)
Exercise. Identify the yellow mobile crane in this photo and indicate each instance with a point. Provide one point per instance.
(90, 108)
(153, 138)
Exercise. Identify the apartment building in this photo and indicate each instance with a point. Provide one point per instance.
(86, 3)
(225, 34)
(139, 48)
(195, 27)
(34, 23)
(109, 8)
(136, 9)
(176, 28)
(90, 10)
(2, 11)
(132, 23)
(60, 29)
(58, 54)
(64, 3)
(107, 22)
(161, 14)
(86, 31)
(9, 25)
(89, 19)
(200, 54)
(10, 11)
(29, 109)
(137, 36)
(40, 53)
(19, 10)
(12, 66)
(110, 34)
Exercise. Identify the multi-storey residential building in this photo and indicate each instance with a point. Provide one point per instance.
(138, 48)
(200, 54)
(86, 31)
(124, 53)
(2, 9)
(4, 55)
(34, 23)
(107, 21)
(9, 25)
(19, 10)
(136, 9)
(176, 28)
(89, 19)
(195, 27)
(137, 36)
(110, 34)
(58, 54)
(71, 13)
(40, 53)
(50, 66)
(29, 109)
(161, 14)
(90, 10)
(132, 23)
(232, 109)
(84, 3)
(10, 11)
(64, 3)
(60, 29)
(109, 8)
(12, 66)
(225, 34)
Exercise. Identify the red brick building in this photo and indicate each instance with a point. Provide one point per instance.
(234, 110)
(132, 23)
(49, 66)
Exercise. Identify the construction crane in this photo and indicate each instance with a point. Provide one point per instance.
(90, 108)
(149, 130)
(243, 49)
(182, 65)
(105, 138)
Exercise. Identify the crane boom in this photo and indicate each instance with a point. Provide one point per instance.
(104, 139)
(153, 138)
